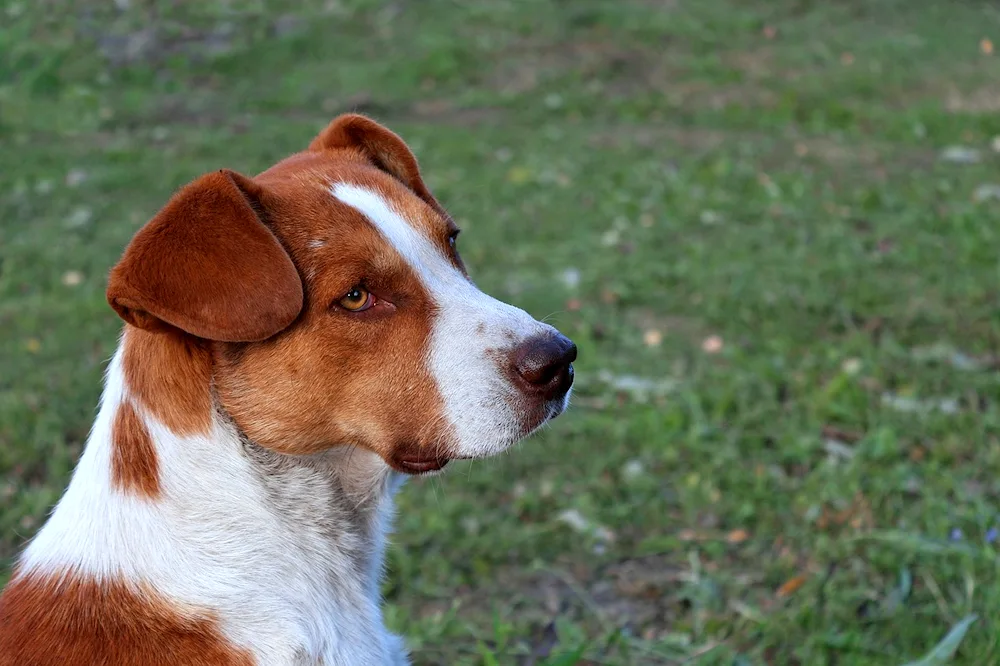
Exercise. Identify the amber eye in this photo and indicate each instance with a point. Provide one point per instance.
(357, 299)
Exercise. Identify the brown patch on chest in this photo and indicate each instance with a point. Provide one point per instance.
(169, 374)
(134, 466)
(80, 622)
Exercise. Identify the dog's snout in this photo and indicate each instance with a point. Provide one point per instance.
(545, 364)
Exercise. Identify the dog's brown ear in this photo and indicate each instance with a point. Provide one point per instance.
(381, 146)
(206, 264)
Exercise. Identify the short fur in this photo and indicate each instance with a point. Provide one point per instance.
(231, 505)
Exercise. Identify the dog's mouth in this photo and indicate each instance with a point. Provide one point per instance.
(419, 465)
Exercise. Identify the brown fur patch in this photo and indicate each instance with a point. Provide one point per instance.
(46, 621)
(169, 374)
(381, 147)
(386, 151)
(134, 466)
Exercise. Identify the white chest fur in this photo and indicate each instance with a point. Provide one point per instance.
(285, 551)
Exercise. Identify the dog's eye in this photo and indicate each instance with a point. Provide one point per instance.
(453, 241)
(357, 299)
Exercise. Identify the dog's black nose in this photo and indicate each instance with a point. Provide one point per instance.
(545, 364)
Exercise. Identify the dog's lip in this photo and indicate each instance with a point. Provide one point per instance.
(422, 465)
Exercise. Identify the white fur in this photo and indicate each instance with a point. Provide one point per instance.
(213, 541)
(472, 385)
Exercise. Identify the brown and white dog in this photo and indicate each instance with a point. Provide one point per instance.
(295, 344)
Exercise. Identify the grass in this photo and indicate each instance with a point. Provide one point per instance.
(786, 436)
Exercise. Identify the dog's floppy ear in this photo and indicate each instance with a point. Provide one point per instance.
(381, 146)
(206, 264)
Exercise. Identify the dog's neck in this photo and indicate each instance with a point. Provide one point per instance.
(231, 527)
(339, 501)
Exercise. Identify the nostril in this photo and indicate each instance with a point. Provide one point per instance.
(544, 362)
(538, 373)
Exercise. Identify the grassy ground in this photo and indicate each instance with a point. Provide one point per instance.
(768, 225)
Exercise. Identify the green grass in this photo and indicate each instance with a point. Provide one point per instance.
(647, 175)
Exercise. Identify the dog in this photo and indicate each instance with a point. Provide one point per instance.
(296, 344)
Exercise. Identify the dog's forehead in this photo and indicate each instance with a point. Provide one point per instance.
(305, 185)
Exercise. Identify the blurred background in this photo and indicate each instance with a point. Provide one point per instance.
(771, 226)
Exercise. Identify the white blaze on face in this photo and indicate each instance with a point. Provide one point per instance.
(468, 330)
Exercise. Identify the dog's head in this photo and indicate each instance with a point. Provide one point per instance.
(338, 311)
